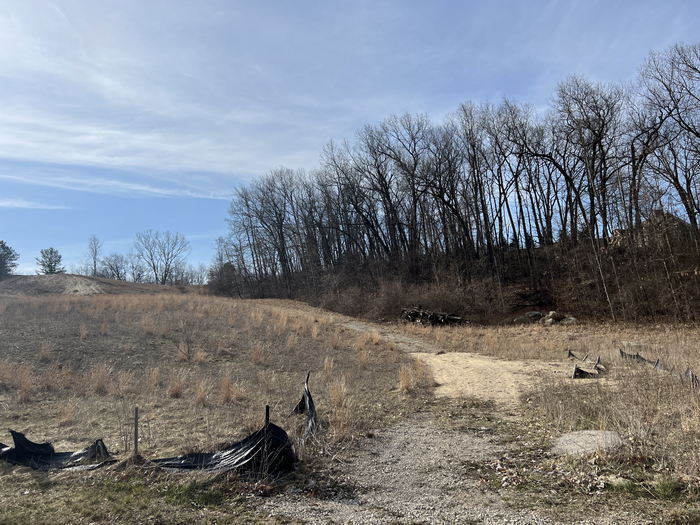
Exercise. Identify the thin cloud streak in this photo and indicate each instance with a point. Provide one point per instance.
(106, 186)
(30, 205)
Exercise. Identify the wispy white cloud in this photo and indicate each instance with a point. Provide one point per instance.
(105, 186)
(22, 203)
(180, 88)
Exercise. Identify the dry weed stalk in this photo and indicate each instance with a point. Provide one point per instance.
(228, 390)
(24, 382)
(84, 331)
(98, 379)
(153, 380)
(328, 365)
(123, 384)
(362, 356)
(340, 417)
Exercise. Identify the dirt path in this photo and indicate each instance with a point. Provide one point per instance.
(421, 470)
(415, 472)
(460, 374)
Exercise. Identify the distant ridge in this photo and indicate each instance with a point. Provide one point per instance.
(67, 284)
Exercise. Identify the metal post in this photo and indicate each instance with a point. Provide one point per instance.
(136, 432)
(265, 465)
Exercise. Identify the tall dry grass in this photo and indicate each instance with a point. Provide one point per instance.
(415, 378)
(341, 417)
(98, 379)
(128, 356)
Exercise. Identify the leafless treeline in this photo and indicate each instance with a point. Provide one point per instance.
(489, 185)
(157, 257)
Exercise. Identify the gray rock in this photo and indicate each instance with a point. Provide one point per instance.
(557, 318)
(586, 442)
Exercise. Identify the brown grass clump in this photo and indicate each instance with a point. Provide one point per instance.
(148, 324)
(55, 378)
(335, 340)
(373, 338)
(328, 365)
(415, 377)
(201, 392)
(67, 413)
(98, 379)
(123, 384)
(228, 390)
(257, 354)
(341, 415)
(83, 331)
(362, 356)
(153, 380)
(292, 341)
(24, 382)
(104, 327)
(279, 325)
(176, 385)
(185, 352)
(267, 380)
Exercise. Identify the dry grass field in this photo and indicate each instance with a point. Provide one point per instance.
(656, 412)
(200, 369)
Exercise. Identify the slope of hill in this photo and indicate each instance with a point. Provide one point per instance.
(65, 284)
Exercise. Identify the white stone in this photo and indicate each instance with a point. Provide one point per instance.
(586, 442)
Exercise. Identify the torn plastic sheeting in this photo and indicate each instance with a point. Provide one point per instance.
(269, 451)
(307, 406)
(42, 456)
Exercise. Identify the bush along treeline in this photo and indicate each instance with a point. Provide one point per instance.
(591, 206)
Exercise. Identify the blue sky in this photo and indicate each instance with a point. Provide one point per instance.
(119, 116)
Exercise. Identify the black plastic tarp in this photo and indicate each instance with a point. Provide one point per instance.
(266, 450)
(42, 456)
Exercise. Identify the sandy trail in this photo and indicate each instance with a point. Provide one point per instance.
(460, 374)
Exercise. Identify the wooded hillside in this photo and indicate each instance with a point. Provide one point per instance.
(591, 206)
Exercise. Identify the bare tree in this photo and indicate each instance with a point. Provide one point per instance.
(136, 271)
(162, 253)
(94, 251)
(115, 266)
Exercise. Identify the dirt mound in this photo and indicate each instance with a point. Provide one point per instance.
(65, 284)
